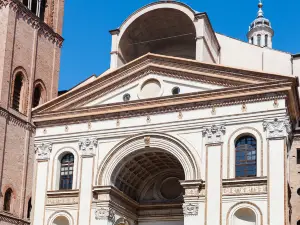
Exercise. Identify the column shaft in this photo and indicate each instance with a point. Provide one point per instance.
(213, 184)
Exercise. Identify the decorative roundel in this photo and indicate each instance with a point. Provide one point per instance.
(126, 97)
(175, 91)
(170, 188)
(151, 88)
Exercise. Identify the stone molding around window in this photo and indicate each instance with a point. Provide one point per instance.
(33, 20)
(277, 128)
(43, 151)
(214, 134)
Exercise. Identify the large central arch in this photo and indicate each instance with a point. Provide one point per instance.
(160, 142)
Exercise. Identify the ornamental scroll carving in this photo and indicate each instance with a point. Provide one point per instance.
(88, 146)
(214, 134)
(105, 214)
(190, 209)
(43, 151)
(277, 128)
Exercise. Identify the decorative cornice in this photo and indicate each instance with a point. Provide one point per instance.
(172, 66)
(43, 151)
(16, 120)
(87, 146)
(214, 134)
(277, 128)
(105, 213)
(190, 209)
(33, 20)
(121, 111)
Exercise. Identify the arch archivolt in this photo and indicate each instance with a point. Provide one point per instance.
(55, 165)
(154, 6)
(62, 213)
(140, 142)
(244, 205)
(231, 149)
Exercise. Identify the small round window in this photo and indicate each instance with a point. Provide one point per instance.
(126, 97)
(175, 91)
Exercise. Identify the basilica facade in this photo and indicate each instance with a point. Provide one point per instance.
(187, 126)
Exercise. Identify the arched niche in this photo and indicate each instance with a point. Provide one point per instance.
(161, 28)
(61, 220)
(244, 216)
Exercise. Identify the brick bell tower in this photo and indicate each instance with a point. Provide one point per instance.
(30, 44)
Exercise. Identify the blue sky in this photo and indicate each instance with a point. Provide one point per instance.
(87, 40)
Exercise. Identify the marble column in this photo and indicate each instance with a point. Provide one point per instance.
(87, 148)
(42, 152)
(213, 181)
(277, 133)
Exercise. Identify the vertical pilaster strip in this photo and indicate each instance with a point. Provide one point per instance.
(42, 152)
(277, 133)
(213, 180)
(87, 147)
(114, 49)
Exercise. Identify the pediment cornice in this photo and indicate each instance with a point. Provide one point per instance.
(165, 65)
(207, 99)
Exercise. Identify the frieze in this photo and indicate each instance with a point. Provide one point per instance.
(62, 201)
(245, 190)
(33, 20)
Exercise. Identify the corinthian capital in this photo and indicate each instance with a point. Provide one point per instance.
(88, 146)
(277, 128)
(214, 134)
(43, 151)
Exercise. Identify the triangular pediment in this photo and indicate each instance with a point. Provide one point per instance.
(153, 77)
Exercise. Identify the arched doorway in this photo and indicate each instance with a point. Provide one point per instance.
(146, 169)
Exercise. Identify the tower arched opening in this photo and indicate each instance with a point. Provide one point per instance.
(163, 31)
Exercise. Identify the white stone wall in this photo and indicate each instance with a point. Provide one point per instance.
(188, 129)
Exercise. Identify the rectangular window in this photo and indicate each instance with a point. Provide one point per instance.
(298, 156)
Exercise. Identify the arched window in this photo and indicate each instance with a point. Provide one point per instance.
(66, 172)
(244, 216)
(37, 7)
(29, 207)
(259, 40)
(298, 222)
(252, 40)
(7, 200)
(37, 94)
(245, 157)
(266, 40)
(17, 92)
